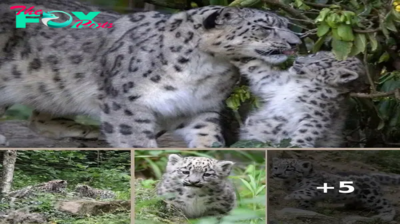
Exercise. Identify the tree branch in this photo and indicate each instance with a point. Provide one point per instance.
(321, 6)
(291, 11)
(395, 92)
(316, 5)
(370, 80)
(366, 31)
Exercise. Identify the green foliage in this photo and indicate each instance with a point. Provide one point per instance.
(240, 95)
(99, 169)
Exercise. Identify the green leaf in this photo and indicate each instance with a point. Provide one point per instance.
(389, 24)
(248, 186)
(247, 3)
(384, 57)
(298, 3)
(322, 15)
(323, 29)
(373, 41)
(384, 30)
(360, 42)
(253, 183)
(355, 4)
(333, 20)
(341, 49)
(318, 44)
(285, 143)
(335, 34)
(154, 167)
(260, 189)
(395, 14)
(345, 32)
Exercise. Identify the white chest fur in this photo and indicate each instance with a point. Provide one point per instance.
(195, 206)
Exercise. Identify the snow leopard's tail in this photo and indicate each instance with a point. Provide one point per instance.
(387, 179)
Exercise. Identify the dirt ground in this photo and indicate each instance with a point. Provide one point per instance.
(334, 161)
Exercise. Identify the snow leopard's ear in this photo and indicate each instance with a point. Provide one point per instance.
(174, 159)
(224, 167)
(224, 16)
(345, 75)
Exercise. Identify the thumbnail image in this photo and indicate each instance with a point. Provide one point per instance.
(338, 187)
(65, 187)
(218, 186)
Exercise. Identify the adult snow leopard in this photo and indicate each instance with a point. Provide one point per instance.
(147, 74)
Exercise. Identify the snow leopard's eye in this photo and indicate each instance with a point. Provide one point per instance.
(207, 174)
(185, 172)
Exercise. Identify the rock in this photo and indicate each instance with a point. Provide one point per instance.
(17, 134)
(22, 216)
(294, 213)
(93, 208)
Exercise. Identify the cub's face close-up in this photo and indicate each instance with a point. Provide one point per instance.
(245, 32)
(326, 69)
(290, 168)
(197, 172)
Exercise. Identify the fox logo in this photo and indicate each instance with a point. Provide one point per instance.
(47, 18)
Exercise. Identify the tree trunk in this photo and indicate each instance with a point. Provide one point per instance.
(10, 156)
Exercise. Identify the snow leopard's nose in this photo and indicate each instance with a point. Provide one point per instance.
(194, 181)
(290, 37)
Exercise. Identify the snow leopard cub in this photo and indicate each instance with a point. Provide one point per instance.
(198, 186)
(301, 179)
(306, 103)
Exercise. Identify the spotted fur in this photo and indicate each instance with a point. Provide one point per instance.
(198, 186)
(54, 186)
(90, 192)
(300, 179)
(307, 104)
(148, 74)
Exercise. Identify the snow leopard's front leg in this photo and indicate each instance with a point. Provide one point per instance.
(201, 131)
(128, 125)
